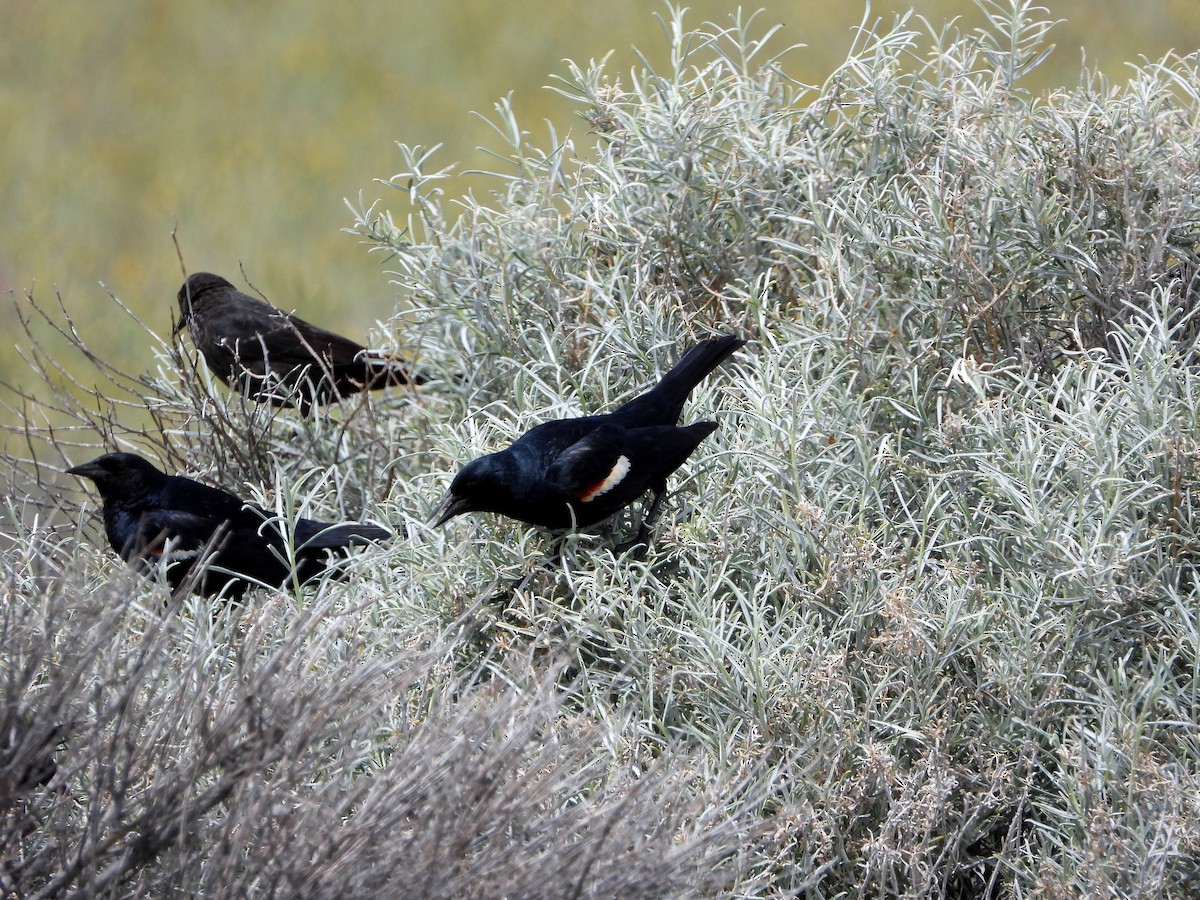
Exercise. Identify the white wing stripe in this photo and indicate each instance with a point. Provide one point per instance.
(619, 471)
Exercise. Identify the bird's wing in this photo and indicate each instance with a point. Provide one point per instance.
(259, 334)
(185, 533)
(335, 349)
(239, 339)
(245, 541)
(614, 465)
(200, 510)
(231, 323)
(191, 512)
(592, 466)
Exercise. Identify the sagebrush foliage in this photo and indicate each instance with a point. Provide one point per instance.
(928, 596)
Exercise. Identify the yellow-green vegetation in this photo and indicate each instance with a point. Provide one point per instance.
(245, 126)
(921, 616)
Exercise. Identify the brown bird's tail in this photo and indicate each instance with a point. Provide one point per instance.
(385, 371)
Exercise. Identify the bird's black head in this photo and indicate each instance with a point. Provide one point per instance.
(120, 475)
(192, 293)
(486, 484)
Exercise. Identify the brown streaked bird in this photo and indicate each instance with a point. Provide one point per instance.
(274, 356)
(578, 472)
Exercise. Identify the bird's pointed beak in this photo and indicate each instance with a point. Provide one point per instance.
(85, 470)
(448, 507)
(180, 324)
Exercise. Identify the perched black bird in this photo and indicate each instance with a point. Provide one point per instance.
(151, 518)
(276, 357)
(576, 472)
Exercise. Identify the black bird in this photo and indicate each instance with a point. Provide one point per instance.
(577, 472)
(151, 518)
(273, 356)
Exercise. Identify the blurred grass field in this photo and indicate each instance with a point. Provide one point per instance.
(243, 127)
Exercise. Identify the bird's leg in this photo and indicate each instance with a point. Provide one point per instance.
(506, 593)
(640, 543)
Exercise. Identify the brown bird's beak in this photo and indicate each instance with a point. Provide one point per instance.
(448, 507)
(180, 324)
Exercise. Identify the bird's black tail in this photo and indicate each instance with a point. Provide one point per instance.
(325, 547)
(664, 403)
(314, 535)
